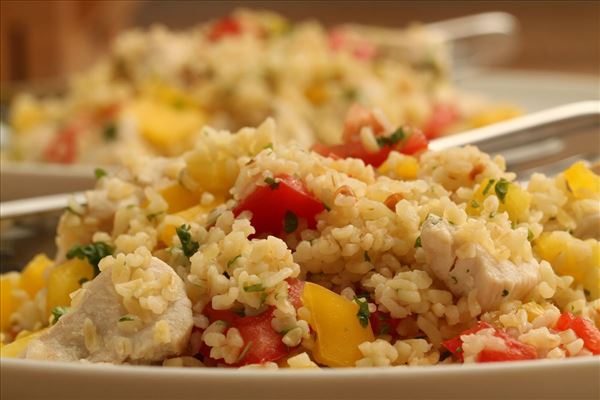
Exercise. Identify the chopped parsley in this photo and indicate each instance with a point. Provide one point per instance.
(474, 204)
(126, 318)
(366, 256)
(100, 173)
(488, 186)
(492, 214)
(501, 189)
(189, 246)
(254, 288)
(153, 216)
(459, 349)
(350, 94)
(363, 313)
(268, 146)
(110, 132)
(326, 207)
(93, 252)
(272, 182)
(263, 298)
(290, 222)
(58, 312)
(418, 242)
(391, 140)
(233, 260)
(529, 235)
(505, 293)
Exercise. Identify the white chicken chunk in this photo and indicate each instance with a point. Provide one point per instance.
(99, 329)
(494, 280)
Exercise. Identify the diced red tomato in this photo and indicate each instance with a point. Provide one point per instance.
(295, 291)
(583, 328)
(227, 26)
(261, 342)
(271, 203)
(63, 148)
(358, 117)
(443, 116)
(383, 324)
(515, 350)
(415, 143)
(340, 39)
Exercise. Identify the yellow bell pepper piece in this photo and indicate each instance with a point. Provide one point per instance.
(14, 349)
(516, 200)
(32, 277)
(166, 127)
(8, 302)
(407, 168)
(571, 256)
(179, 198)
(339, 332)
(494, 114)
(64, 279)
(581, 181)
(167, 231)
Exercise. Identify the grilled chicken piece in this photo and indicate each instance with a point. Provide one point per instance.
(494, 280)
(98, 329)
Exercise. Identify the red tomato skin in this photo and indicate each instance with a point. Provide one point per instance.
(515, 351)
(264, 343)
(358, 117)
(415, 143)
(383, 323)
(442, 117)
(583, 328)
(270, 204)
(454, 345)
(227, 26)
(63, 148)
(296, 288)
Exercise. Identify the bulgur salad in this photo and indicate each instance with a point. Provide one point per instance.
(156, 89)
(246, 252)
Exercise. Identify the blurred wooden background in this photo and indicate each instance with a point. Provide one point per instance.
(42, 40)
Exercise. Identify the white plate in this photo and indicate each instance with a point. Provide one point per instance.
(542, 379)
(532, 90)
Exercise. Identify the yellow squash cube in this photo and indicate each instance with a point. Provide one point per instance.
(339, 332)
(32, 277)
(64, 279)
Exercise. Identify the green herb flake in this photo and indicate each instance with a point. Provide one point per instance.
(488, 186)
(254, 288)
(268, 146)
(110, 132)
(126, 318)
(263, 298)
(492, 214)
(189, 246)
(290, 222)
(385, 329)
(474, 204)
(418, 242)
(232, 261)
(504, 293)
(363, 313)
(58, 312)
(272, 182)
(154, 216)
(501, 189)
(93, 252)
(529, 235)
(366, 256)
(82, 281)
(100, 173)
(326, 207)
(459, 349)
(391, 140)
